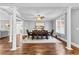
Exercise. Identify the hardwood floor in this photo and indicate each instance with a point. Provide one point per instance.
(37, 49)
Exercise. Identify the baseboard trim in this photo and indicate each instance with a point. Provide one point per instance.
(69, 48)
(4, 37)
(18, 47)
(13, 49)
(62, 39)
(72, 43)
(10, 41)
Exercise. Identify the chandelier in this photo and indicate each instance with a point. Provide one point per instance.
(39, 18)
(39, 22)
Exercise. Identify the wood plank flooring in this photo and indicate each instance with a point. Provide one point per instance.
(36, 49)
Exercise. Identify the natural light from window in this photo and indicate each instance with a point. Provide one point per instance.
(60, 26)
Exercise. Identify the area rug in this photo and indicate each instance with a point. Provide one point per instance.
(50, 40)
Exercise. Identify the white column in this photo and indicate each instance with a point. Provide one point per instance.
(10, 31)
(20, 41)
(21, 33)
(69, 28)
(14, 30)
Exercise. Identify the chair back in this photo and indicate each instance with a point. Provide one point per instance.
(52, 31)
(28, 32)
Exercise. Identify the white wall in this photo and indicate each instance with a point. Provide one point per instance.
(30, 25)
(4, 15)
(54, 25)
(48, 25)
(19, 28)
(75, 26)
(4, 19)
(4, 25)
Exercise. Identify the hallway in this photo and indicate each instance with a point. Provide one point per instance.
(36, 49)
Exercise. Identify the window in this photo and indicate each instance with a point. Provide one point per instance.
(60, 28)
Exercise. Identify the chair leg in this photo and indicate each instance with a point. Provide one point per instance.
(41, 37)
(28, 36)
(37, 37)
(32, 37)
(46, 37)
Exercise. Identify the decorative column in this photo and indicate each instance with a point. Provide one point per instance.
(10, 31)
(14, 47)
(69, 28)
(20, 35)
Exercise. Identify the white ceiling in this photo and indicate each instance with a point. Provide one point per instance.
(30, 13)
(41, 4)
(49, 10)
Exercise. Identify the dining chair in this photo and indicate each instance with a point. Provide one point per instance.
(29, 33)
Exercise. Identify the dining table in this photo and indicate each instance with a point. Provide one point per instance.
(40, 33)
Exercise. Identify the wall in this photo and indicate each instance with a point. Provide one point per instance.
(48, 25)
(4, 25)
(64, 17)
(28, 25)
(19, 28)
(4, 15)
(54, 25)
(31, 25)
(75, 26)
(4, 19)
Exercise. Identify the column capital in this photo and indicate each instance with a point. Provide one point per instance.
(69, 8)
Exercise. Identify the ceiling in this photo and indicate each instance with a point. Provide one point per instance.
(50, 11)
(41, 4)
(30, 13)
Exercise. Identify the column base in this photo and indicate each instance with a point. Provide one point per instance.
(69, 48)
(13, 49)
(9, 41)
(18, 47)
